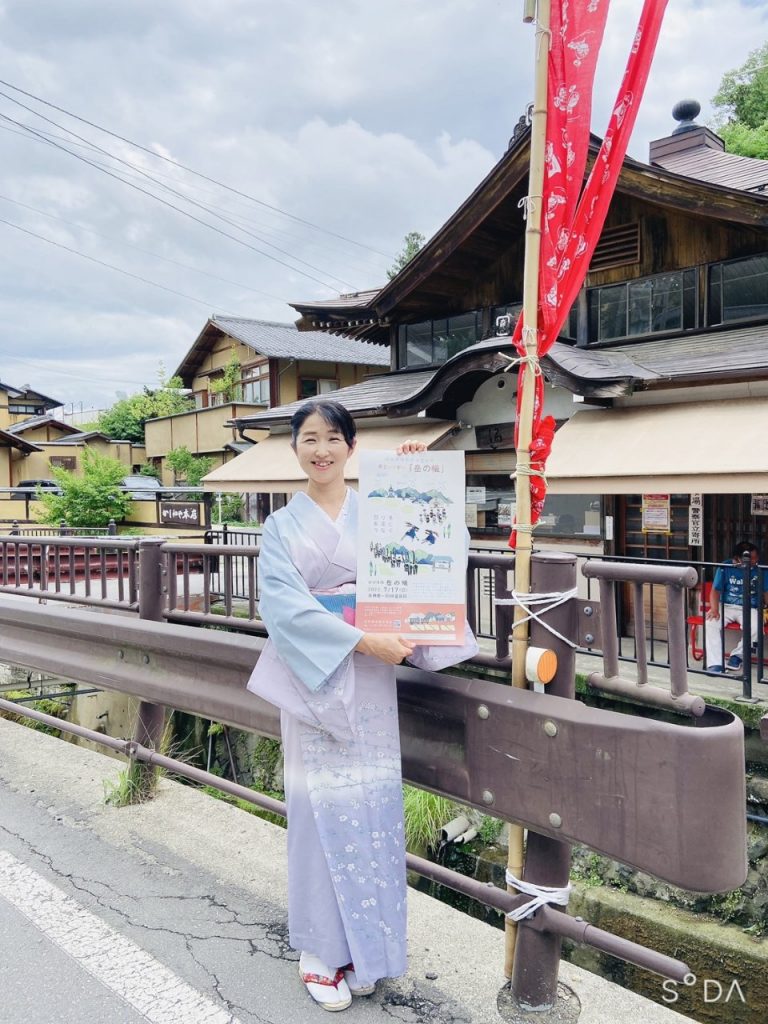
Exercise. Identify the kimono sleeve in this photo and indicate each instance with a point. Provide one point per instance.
(309, 640)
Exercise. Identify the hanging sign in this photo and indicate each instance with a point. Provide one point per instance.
(696, 521)
(505, 511)
(759, 505)
(475, 495)
(412, 546)
(656, 514)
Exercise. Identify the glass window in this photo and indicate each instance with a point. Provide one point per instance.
(311, 386)
(576, 516)
(256, 389)
(666, 302)
(418, 344)
(434, 341)
(739, 289)
(612, 312)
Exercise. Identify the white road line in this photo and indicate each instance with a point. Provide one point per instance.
(115, 961)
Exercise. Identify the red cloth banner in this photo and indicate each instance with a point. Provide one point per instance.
(571, 225)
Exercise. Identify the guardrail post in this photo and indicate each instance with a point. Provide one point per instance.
(111, 528)
(746, 627)
(547, 861)
(150, 723)
(15, 528)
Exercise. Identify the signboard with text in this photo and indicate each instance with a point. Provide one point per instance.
(186, 513)
(411, 546)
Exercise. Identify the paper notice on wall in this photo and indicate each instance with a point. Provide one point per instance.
(411, 546)
(656, 513)
(505, 512)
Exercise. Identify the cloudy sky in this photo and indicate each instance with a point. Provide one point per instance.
(337, 127)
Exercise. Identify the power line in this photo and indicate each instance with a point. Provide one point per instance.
(45, 137)
(172, 206)
(161, 185)
(137, 248)
(101, 263)
(76, 376)
(190, 170)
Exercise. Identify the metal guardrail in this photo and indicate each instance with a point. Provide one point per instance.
(570, 772)
(644, 640)
(681, 787)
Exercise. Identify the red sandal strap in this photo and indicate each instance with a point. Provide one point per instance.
(321, 979)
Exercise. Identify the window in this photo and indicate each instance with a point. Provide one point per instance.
(651, 305)
(311, 386)
(514, 309)
(16, 409)
(564, 515)
(738, 289)
(68, 462)
(256, 387)
(435, 341)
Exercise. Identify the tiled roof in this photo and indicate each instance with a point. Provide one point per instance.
(80, 438)
(40, 421)
(283, 341)
(735, 352)
(7, 438)
(372, 396)
(743, 173)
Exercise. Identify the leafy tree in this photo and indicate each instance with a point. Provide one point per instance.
(228, 385)
(188, 468)
(124, 421)
(412, 243)
(741, 106)
(88, 500)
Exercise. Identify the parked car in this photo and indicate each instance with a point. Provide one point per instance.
(148, 488)
(46, 485)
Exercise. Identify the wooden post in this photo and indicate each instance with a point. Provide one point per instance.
(527, 385)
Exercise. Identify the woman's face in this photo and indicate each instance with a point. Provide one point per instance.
(321, 450)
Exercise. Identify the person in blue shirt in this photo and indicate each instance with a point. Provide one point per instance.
(725, 606)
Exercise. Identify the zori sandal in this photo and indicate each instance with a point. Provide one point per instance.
(328, 988)
(355, 987)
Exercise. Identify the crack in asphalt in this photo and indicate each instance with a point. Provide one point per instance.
(87, 885)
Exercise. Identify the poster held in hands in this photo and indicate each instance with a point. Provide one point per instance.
(411, 546)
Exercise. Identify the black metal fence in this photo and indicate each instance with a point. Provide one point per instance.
(100, 570)
(724, 629)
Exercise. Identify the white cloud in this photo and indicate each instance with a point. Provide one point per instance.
(371, 121)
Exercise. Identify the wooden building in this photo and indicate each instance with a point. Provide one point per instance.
(659, 379)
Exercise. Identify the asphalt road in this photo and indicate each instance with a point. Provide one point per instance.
(174, 912)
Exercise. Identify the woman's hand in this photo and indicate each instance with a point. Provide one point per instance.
(388, 647)
(410, 448)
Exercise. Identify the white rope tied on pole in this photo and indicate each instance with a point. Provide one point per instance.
(548, 602)
(530, 470)
(513, 361)
(541, 896)
(528, 205)
(542, 33)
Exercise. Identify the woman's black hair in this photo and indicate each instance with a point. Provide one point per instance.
(334, 414)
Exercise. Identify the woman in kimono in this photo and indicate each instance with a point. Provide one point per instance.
(335, 686)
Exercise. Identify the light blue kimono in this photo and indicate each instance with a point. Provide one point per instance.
(341, 744)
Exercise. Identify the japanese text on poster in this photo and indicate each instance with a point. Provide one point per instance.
(696, 521)
(656, 515)
(411, 546)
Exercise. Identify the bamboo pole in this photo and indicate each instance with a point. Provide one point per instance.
(524, 427)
